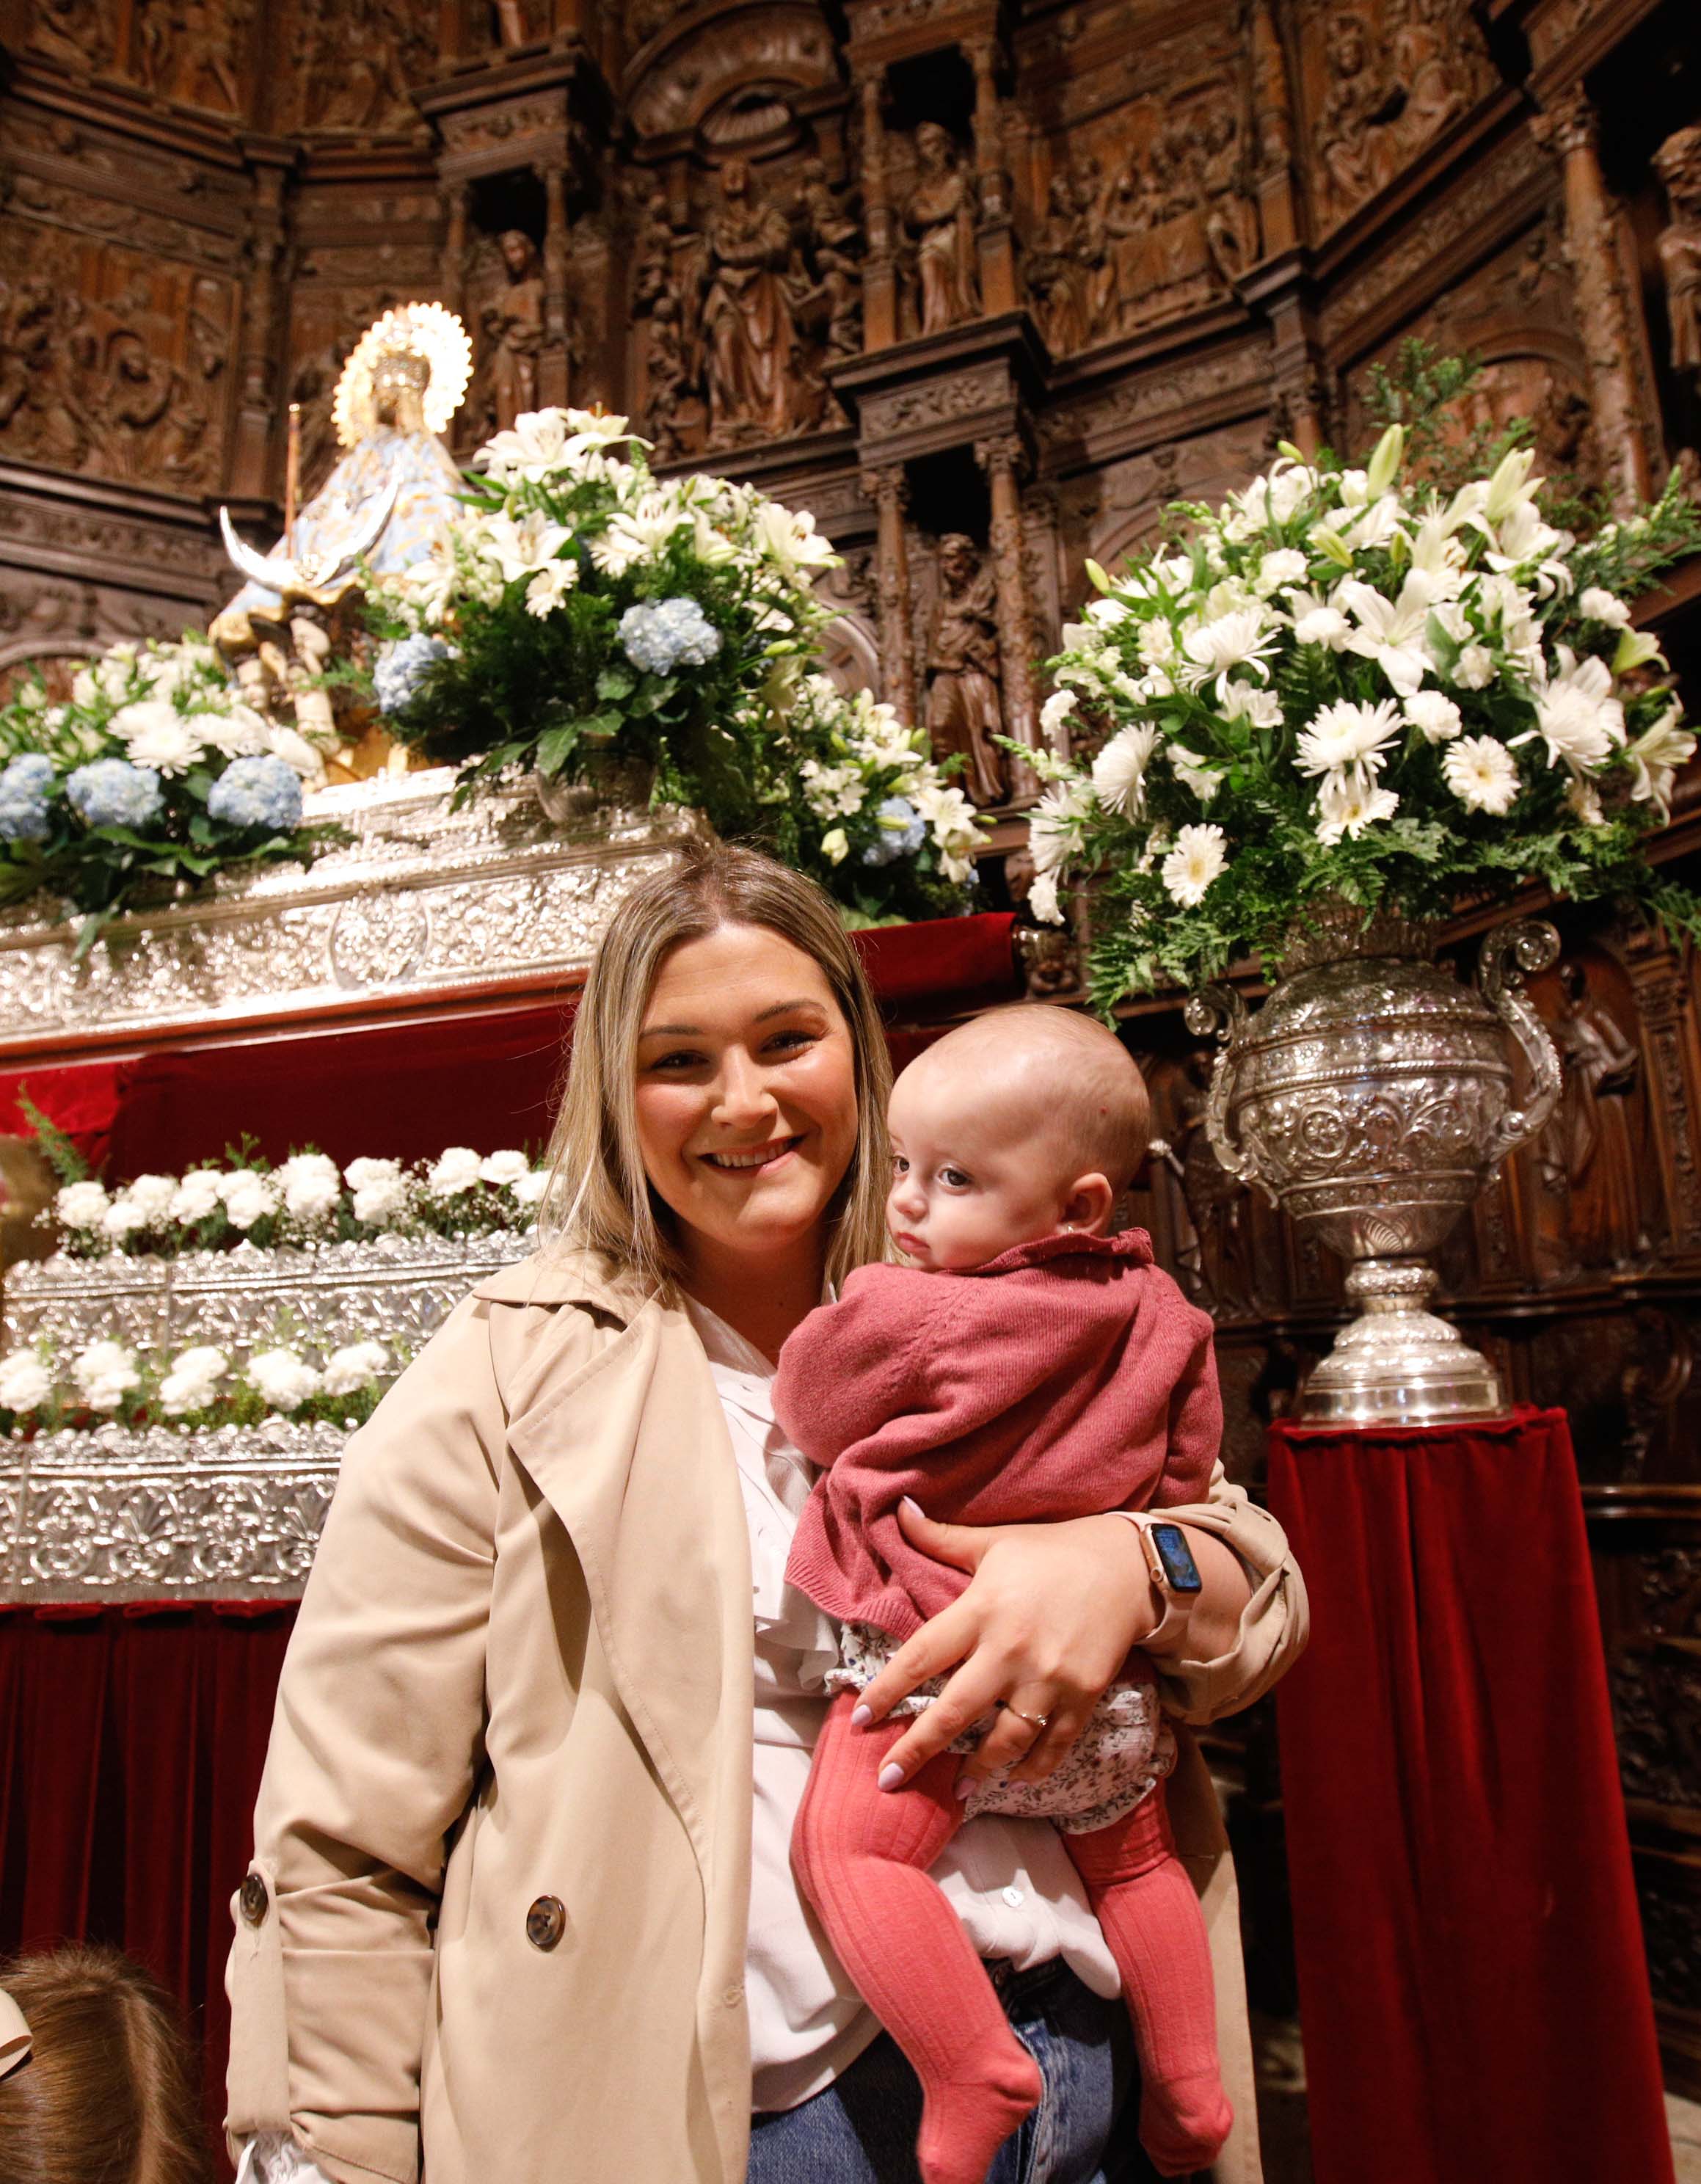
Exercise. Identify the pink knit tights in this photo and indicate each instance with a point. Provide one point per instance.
(861, 1855)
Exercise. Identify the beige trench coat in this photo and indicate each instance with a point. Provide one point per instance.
(523, 1671)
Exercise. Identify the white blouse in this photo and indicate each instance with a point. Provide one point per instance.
(1010, 1881)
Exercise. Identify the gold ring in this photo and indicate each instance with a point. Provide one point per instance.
(1040, 1721)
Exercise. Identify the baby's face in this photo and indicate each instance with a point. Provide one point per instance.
(972, 1176)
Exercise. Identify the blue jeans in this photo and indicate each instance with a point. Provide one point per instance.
(862, 2128)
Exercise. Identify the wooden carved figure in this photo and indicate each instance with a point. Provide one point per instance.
(965, 714)
(940, 217)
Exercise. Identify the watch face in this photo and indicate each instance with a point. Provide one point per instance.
(1177, 1557)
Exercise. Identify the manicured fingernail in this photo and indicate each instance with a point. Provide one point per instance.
(860, 1717)
(966, 1786)
(911, 1503)
(891, 1776)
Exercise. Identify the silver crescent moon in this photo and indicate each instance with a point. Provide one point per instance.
(278, 573)
(271, 575)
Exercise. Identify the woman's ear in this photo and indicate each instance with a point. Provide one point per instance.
(1088, 1206)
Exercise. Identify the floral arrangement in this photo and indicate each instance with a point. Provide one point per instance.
(1333, 688)
(108, 1382)
(305, 1201)
(153, 771)
(584, 611)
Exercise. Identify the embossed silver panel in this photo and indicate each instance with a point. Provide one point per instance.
(420, 898)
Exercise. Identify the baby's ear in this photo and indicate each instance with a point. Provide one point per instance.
(1089, 1205)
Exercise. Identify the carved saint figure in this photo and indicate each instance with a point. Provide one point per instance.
(747, 327)
(1231, 218)
(1350, 130)
(833, 244)
(939, 215)
(1588, 1148)
(1678, 162)
(514, 327)
(1058, 277)
(964, 714)
(669, 373)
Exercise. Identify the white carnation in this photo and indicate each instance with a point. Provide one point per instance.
(505, 1169)
(247, 1197)
(1042, 899)
(456, 1171)
(283, 1380)
(193, 1379)
(311, 1185)
(122, 1218)
(531, 1189)
(1435, 717)
(380, 1189)
(1596, 603)
(155, 1194)
(25, 1381)
(104, 1373)
(350, 1369)
(81, 1205)
(1056, 710)
(1474, 668)
(196, 1196)
(1286, 564)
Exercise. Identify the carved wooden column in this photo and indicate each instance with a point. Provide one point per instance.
(996, 236)
(879, 265)
(1594, 250)
(887, 487)
(257, 400)
(1002, 460)
(1666, 1009)
(1272, 134)
(452, 274)
(552, 362)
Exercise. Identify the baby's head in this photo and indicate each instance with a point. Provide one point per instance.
(1025, 1122)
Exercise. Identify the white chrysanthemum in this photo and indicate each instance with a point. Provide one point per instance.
(311, 1185)
(1596, 603)
(156, 734)
(1056, 710)
(1119, 769)
(355, 1367)
(1042, 899)
(1482, 773)
(1243, 638)
(1576, 716)
(454, 1172)
(1199, 855)
(283, 1379)
(1435, 717)
(104, 1373)
(25, 1381)
(1349, 734)
(81, 1205)
(236, 732)
(193, 1379)
(1348, 803)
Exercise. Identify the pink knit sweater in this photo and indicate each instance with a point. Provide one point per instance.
(1063, 1378)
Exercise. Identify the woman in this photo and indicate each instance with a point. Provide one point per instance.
(521, 1904)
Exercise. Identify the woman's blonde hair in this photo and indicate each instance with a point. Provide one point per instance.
(600, 1198)
(109, 2094)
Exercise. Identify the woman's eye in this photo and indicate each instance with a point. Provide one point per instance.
(791, 1042)
(672, 1064)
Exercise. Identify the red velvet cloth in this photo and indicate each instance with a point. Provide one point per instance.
(1472, 1985)
(480, 1077)
(131, 1741)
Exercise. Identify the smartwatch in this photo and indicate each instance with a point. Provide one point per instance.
(1170, 1565)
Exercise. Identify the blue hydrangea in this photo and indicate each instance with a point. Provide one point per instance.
(399, 668)
(257, 792)
(902, 831)
(23, 788)
(659, 635)
(114, 793)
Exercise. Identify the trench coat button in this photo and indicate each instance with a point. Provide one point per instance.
(254, 1900)
(546, 1922)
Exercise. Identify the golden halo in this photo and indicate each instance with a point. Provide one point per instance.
(426, 331)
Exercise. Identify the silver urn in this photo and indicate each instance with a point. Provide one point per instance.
(1371, 1097)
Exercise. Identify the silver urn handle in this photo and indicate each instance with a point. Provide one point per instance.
(1508, 954)
(1219, 1011)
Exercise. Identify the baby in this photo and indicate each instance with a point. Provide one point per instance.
(1024, 1366)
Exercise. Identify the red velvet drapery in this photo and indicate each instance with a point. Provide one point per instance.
(132, 1740)
(1472, 1985)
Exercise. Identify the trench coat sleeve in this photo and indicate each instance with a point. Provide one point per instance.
(376, 1742)
(1275, 1624)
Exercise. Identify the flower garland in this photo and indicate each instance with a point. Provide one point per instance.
(1328, 688)
(107, 1382)
(305, 1201)
(153, 771)
(584, 611)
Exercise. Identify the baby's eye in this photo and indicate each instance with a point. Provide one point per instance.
(953, 1178)
(899, 1165)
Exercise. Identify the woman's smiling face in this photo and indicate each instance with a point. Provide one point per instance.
(746, 1091)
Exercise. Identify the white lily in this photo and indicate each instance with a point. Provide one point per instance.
(1656, 755)
(1392, 632)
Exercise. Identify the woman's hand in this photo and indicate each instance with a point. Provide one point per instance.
(1049, 1616)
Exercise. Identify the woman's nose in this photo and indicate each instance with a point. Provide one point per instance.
(743, 1098)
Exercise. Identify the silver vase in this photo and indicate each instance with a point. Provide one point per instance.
(604, 784)
(1371, 1098)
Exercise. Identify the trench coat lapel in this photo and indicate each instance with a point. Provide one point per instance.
(633, 1454)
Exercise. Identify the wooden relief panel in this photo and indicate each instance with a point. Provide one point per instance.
(112, 364)
(348, 66)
